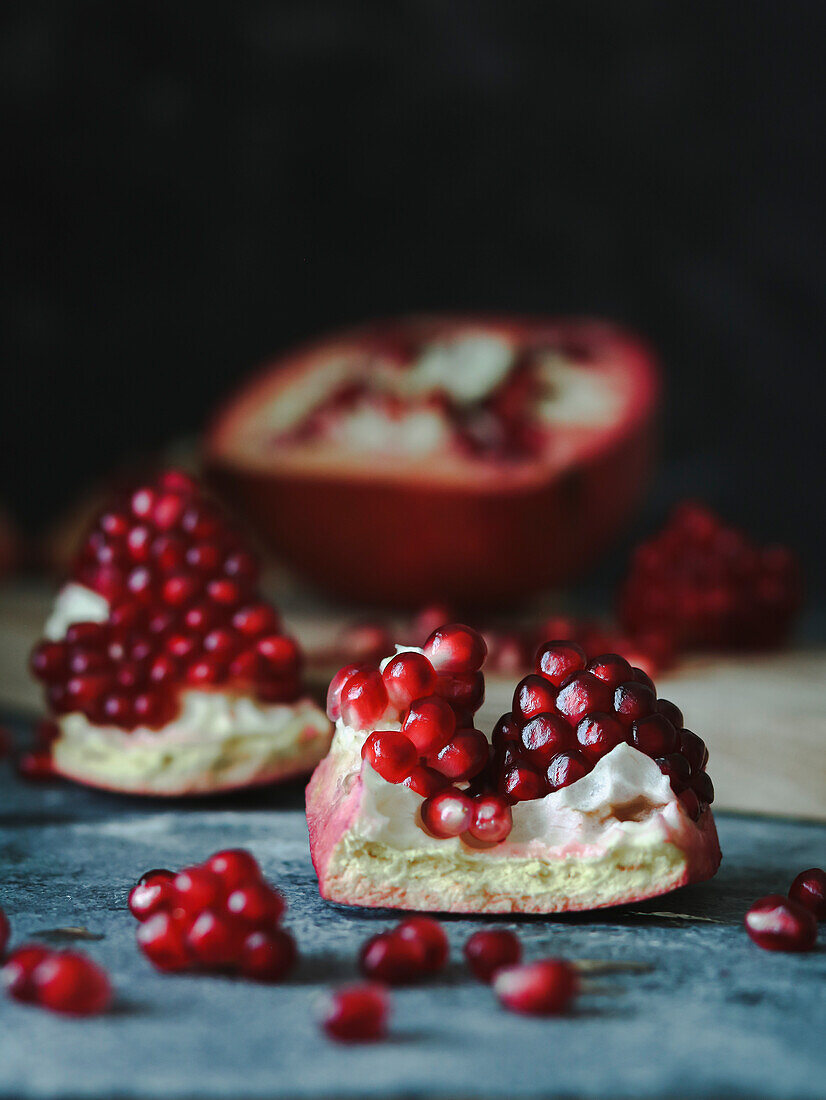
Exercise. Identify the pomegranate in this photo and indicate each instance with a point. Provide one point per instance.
(422, 815)
(709, 585)
(776, 923)
(808, 890)
(162, 626)
(490, 950)
(543, 988)
(356, 1014)
(475, 436)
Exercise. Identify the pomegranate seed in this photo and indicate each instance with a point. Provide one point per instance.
(177, 481)
(268, 956)
(356, 1014)
(566, 769)
(140, 583)
(162, 939)
(223, 643)
(522, 784)
(198, 888)
(776, 923)
(242, 565)
(542, 988)
(18, 970)
(256, 904)
(506, 732)
(464, 756)
(49, 661)
(543, 736)
(464, 691)
(611, 669)
(168, 552)
(430, 724)
(279, 651)
(248, 667)
(114, 524)
(205, 671)
(182, 645)
(633, 701)
(430, 936)
(255, 620)
(693, 748)
(455, 648)
(164, 670)
(392, 959)
(214, 940)
(5, 932)
(654, 735)
(225, 591)
(583, 694)
(673, 713)
(703, 787)
(180, 589)
(690, 803)
(448, 813)
(143, 501)
(139, 543)
(363, 699)
(426, 781)
(117, 709)
(559, 660)
(155, 891)
(334, 690)
(808, 890)
(36, 767)
(492, 819)
(235, 867)
(490, 950)
(167, 511)
(149, 709)
(68, 982)
(200, 523)
(407, 677)
(677, 769)
(534, 695)
(391, 754)
(597, 734)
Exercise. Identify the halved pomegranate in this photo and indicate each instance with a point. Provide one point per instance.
(166, 671)
(441, 456)
(600, 797)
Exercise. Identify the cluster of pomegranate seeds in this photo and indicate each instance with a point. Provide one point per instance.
(543, 988)
(356, 1014)
(218, 916)
(571, 711)
(185, 612)
(709, 585)
(62, 981)
(410, 951)
(491, 949)
(809, 890)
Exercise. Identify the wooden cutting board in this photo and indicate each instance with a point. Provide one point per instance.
(763, 717)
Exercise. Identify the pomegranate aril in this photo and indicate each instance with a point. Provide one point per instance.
(198, 888)
(391, 754)
(356, 1014)
(408, 676)
(140, 583)
(49, 661)
(541, 988)
(543, 736)
(654, 735)
(677, 769)
(455, 648)
(597, 734)
(334, 690)
(492, 819)
(180, 589)
(256, 904)
(448, 813)
(390, 958)
(490, 950)
(703, 787)
(162, 939)
(566, 769)
(429, 723)
(214, 940)
(200, 522)
(36, 767)
(534, 695)
(426, 781)
(808, 890)
(268, 955)
(139, 543)
(153, 894)
(583, 694)
(114, 524)
(226, 592)
(206, 671)
(506, 732)
(70, 983)
(523, 783)
(670, 711)
(776, 923)
(558, 660)
(255, 620)
(464, 691)
(150, 708)
(223, 643)
(168, 553)
(693, 748)
(17, 971)
(363, 698)
(633, 701)
(430, 936)
(611, 669)
(242, 565)
(279, 652)
(182, 645)
(235, 867)
(690, 803)
(463, 757)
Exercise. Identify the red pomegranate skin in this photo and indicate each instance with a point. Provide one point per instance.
(406, 542)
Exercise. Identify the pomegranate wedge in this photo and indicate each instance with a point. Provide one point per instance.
(440, 457)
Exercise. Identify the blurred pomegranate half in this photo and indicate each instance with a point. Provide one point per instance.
(442, 457)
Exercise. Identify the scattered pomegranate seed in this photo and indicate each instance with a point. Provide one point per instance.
(808, 890)
(18, 970)
(235, 867)
(408, 676)
(391, 754)
(430, 936)
(68, 982)
(776, 923)
(356, 1014)
(154, 891)
(393, 959)
(543, 988)
(455, 648)
(268, 955)
(448, 813)
(429, 723)
(490, 950)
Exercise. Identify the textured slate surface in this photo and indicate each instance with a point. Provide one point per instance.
(716, 1017)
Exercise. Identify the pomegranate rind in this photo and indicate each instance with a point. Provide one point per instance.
(476, 536)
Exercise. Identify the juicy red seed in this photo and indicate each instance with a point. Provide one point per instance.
(776, 923)
(541, 988)
(356, 1014)
(256, 904)
(130, 675)
(392, 959)
(242, 565)
(204, 558)
(690, 803)
(703, 787)
(177, 481)
(114, 524)
(280, 652)
(492, 819)
(693, 748)
(408, 676)
(522, 784)
(268, 955)
(235, 867)
(582, 694)
(223, 643)
(633, 701)
(463, 757)
(430, 724)
(448, 813)
(152, 896)
(426, 781)
(430, 936)
(167, 511)
(225, 592)
(465, 691)
(534, 695)
(391, 754)
(206, 671)
(597, 734)
(164, 669)
(255, 620)
(49, 661)
(82, 691)
(149, 708)
(198, 888)
(491, 949)
(161, 621)
(140, 583)
(677, 769)
(335, 689)
(248, 666)
(455, 648)
(214, 940)
(545, 735)
(162, 939)
(566, 769)
(93, 635)
(139, 543)
(143, 501)
(180, 589)
(19, 967)
(654, 735)
(808, 890)
(36, 767)
(363, 698)
(68, 982)
(673, 713)
(200, 522)
(559, 660)
(610, 668)
(168, 552)
(182, 645)
(506, 732)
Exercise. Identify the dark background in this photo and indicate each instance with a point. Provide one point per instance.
(186, 189)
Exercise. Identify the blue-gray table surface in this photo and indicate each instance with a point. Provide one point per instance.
(715, 1017)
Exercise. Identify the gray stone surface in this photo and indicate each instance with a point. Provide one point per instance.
(716, 1017)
